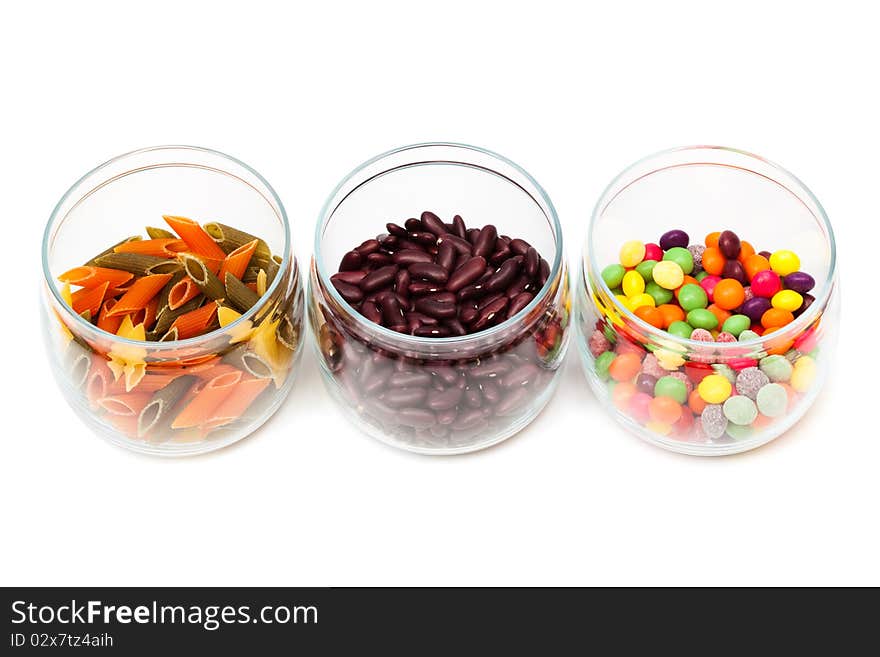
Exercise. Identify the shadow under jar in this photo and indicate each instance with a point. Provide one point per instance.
(183, 396)
(439, 395)
(764, 381)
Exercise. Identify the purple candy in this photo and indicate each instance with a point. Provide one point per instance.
(729, 245)
(799, 281)
(733, 269)
(673, 238)
(755, 308)
(808, 301)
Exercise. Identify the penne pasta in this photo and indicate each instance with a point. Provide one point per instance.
(166, 291)
(198, 411)
(147, 314)
(89, 299)
(182, 291)
(159, 233)
(109, 324)
(229, 239)
(93, 276)
(209, 284)
(239, 295)
(199, 242)
(169, 336)
(98, 380)
(248, 361)
(126, 403)
(164, 267)
(196, 321)
(139, 294)
(236, 262)
(262, 282)
(162, 247)
(124, 424)
(92, 261)
(136, 263)
(236, 403)
(158, 413)
(166, 317)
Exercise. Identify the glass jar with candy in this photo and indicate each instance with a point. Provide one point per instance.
(707, 306)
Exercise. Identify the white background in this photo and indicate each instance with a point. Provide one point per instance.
(573, 95)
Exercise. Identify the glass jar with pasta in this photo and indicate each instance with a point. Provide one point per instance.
(172, 306)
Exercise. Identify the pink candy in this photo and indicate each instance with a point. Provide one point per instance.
(766, 283)
(708, 284)
(653, 252)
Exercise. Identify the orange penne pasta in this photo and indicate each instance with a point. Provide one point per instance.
(124, 424)
(195, 322)
(218, 369)
(198, 411)
(195, 237)
(163, 248)
(98, 380)
(238, 401)
(126, 403)
(212, 264)
(147, 314)
(89, 299)
(139, 294)
(91, 277)
(252, 286)
(236, 262)
(153, 381)
(181, 292)
(109, 324)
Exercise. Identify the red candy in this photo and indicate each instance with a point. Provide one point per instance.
(708, 284)
(766, 283)
(653, 252)
(741, 363)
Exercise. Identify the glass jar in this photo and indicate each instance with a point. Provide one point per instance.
(700, 190)
(445, 395)
(131, 391)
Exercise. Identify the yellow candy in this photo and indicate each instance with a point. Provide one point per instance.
(668, 360)
(785, 262)
(633, 283)
(787, 300)
(804, 374)
(622, 300)
(639, 300)
(668, 274)
(714, 389)
(632, 253)
(658, 427)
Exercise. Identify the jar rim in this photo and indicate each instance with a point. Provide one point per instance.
(800, 323)
(171, 344)
(418, 341)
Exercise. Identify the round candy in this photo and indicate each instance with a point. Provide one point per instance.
(692, 296)
(701, 335)
(713, 421)
(785, 262)
(713, 261)
(787, 300)
(747, 335)
(652, 367)
(766, 283)
(664, 410)
(729, 244)
(700, 275)
(800, 282)
(668, 274)
(633, 283)
(653, 252)
(680, 329)
(638, 406)
(681, 256)
(739, 432)
(755, 308)
(661, 295)
(728, 294)
(671, 312)
(714, 389)
(645, 267)
(646, 382)
(740, 410)
(804, 373)
(613, 275)
(736, 324)
(724, 336)
(734, 269)
(702, 318)
(638, 300)
(602, 363)
(708, 283)
(697, 254)
(670, 386)
(625, 366)
(755, 263)
(749, 381)
(674, 238)
(632, 253)
(772, 400)
(776, 317)
(650, 315)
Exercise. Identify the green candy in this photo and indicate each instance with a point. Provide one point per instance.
(646, 269)
(736, 324)
(777, 368)
(669, 386)
(610, 334)
(618, 292)
(701, 276)
(738, 431)
(726, 371)
(747, 335)
(659, 294)
(740, 410)
(613, 275)
(603, 362)
(692, 296)
(702, 318)
(682, 257)
(680, 329)
(772, 400)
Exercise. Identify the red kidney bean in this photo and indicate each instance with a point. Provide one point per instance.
(485, 243)
(420, 288)
(474, 291)
(351, 293)
(446, 416)
(404, 396)
(371, 311)
(435, 308)
(442, 297)
(502, 278)
(472, 235)
(401, 283)
(490, 299)
(419, 418)
(352, 277)
(519, 247)
(491, 391)
(432, 223)
(468, 419)
(447, 374)
(532, 262)
(379, 278)
(468, 313)
(350, 261)
(455, 327)
(368, 247)
(394, 229)
(519, 302)
(512, 403)
(431, 332)
(473, 397)
(460, 228)
(379, 259)
(429, 271)
(520, 376)
(442, 400)
(462, 246)
(392, 313)
(518, 286)
(424, 238)
(500, 256)
(407, 257)
(422, 319)
(467, 273)
(490, 368)
(412, 225)
(409, 379)
(491, 313)
(446, 255)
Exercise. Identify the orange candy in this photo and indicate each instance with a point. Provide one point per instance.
(755, 263)
(664, 410)
(712, 239)
(684, 424)
(621, 395)
(713, 261)
(729, 294)
(671, 313)
(761, 421)
(651, 315)
(720, 314)
(624, 367)
(776, 317)
(695, 402)
(745, 250)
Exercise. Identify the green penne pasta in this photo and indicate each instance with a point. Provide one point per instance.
(170, 336)
(250, 274)
(165, 267)
(208, 283)
(240, 295)
(248, 361)
(136, 263)
(166, 318)
(272, 269)
(92, 262)
(159, 410)
(166, 291)
(229, 239)
(160, 233)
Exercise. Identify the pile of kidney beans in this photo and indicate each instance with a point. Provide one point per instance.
(429, 278)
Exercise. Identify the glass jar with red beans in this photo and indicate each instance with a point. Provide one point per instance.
(439, 297)
(707, 305)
